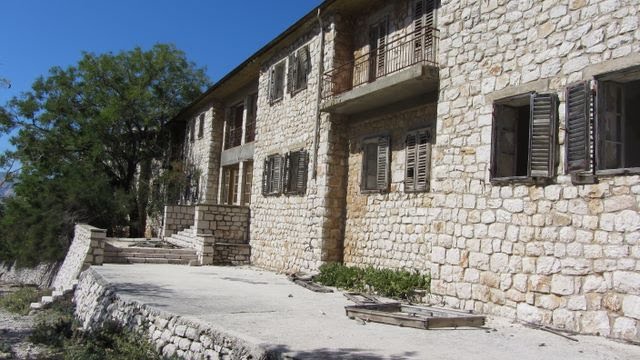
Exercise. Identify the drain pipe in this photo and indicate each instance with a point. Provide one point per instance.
(316, 139)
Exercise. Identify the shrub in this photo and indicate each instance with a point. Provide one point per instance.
(385, 282)
(19, 302)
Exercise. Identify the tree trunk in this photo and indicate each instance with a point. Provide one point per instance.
(144, 188)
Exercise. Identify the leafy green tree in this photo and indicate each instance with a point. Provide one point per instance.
(87, 139)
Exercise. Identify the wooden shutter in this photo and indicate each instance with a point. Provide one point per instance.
(276, 187)
(265, 177)
(382, 39)
(418, 29)
(301, 172)
(542, 135)
(382, 171)
(577, 127)
(423, 159)
(304, 67)
(411, 161)
(272, 84)
(287, 172)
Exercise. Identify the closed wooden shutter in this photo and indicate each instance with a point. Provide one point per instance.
(276, 187)
(542, 135)
(418, 29)
(418, 155)
(287, 172)
(292, 73)
(382, 171)
(411, 162)
(272, 84)
(304, 60)
(382, 48)
(301, 172)
(577, 127)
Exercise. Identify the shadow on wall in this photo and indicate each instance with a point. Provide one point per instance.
(327, 353)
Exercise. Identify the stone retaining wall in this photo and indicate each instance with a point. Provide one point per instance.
(177, 218)
(41, 275)
(87, 248)
(96, 303)
(227, 223)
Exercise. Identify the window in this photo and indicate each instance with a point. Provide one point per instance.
(201, 126)
(423, 24)
(272, 175)
(378, 51)
(299, 68)
(524, 138)
(252, 110)
(248, 181)
(604, 113)
(418, 160)
(296, 163)
(192, 130)
(375, 164)
(233, 133)
(276, 82)
(230, 184)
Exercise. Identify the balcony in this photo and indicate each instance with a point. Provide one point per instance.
(401, 70)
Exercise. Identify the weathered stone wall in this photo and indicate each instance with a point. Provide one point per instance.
(87, 248)
(177, 218)
(291, 232)
(41, 275)
(96, 303)
(563, 255)
(227, 223)
(231, 254)
(387, 229)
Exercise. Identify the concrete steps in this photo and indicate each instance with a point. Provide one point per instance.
(140, 255)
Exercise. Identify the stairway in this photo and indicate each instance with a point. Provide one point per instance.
(184, 238)
(144, 255)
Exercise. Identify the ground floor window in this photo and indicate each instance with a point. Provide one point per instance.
(247, 182)
(230, 176)
(375, 164)
(296, 163)
(418, 160)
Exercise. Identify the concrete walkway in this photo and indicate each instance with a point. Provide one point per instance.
(270, 311)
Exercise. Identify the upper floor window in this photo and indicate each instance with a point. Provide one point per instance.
(605, 111)
(375, 164)
(233, 129)
(524, 138)
(299, 68)
(276, 82)
(252, 110)
(418, 160)
(296, 163)
(192, 130)
(201, 126)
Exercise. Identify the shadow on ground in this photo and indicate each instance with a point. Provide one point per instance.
(283, 351)
(145, 289)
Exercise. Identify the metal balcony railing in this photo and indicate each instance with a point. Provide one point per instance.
(418, 47)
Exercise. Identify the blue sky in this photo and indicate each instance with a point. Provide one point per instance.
(36, 35)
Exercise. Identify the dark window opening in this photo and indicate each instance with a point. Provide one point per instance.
(252, 111)
(201, 126)
(230, 184)
(296, 163)
(512, 126)
(233, 136)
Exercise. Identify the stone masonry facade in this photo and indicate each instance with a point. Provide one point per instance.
(558, 252)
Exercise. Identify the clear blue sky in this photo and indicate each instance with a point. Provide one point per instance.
(36, 35)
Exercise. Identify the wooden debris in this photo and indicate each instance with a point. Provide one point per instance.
(361, 299)
(306, 282)
(420, 317)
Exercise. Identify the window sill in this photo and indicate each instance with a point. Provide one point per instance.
(275, 101)
(617, 172)
(373, 191)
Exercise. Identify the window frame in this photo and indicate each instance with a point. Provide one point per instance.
(536, 172)
(272, 175)
(299, 70)
(383, 148)
(416, 187)
(277, 84)
(201, 126)
(296, 172)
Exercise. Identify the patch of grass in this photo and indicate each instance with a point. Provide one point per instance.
(400, 284)
(19, 301)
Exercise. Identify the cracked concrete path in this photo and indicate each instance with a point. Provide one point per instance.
(268, 309)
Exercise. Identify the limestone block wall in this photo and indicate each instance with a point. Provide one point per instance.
(562, 255)
(172, 335)
(41, 275)
(227, 223)
(297, 232)
(204, 152)
(87, 248)
(177, 218)
(387, 229)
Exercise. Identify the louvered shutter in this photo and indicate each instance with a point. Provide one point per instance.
(287, 172)
(577, 119)
(301, 172)
(304, 67)
(382, 40)
(418, 28)
(423, 160)
(276, 187)
(265, 177)
(272, 84)
(411, 161)
(292, 73)
(542, 135)
(382, 171)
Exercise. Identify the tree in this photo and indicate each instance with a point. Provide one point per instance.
(89, 135)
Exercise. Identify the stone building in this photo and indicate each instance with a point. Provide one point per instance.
(491, 144)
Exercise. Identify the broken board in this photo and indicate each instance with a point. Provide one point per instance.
(419, 317)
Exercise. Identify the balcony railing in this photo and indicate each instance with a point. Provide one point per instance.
(418, 47)
(233, 137)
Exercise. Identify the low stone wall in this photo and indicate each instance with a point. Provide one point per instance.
(87, 248)
(227, 223)
(231, 254)
(177, 218)
(96, 303)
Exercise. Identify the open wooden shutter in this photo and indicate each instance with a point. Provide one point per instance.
(418, 29)
(577, 119)
(272, 84)
(382, 172)
(277, 174)
(423, 159)
(542, 135)
(411, 161)
(304, 59)
(265, 177)
(301, 172)
(382, 48)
